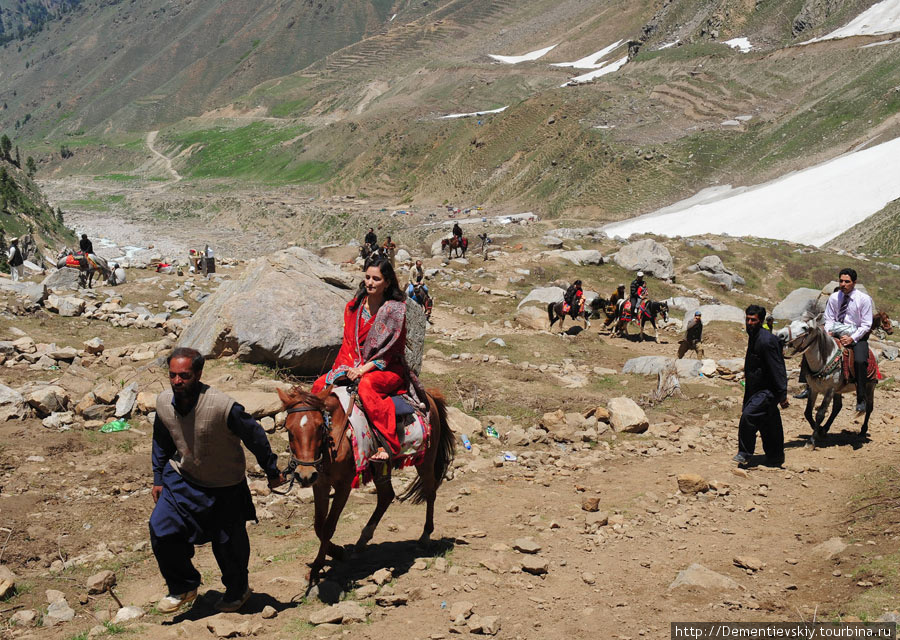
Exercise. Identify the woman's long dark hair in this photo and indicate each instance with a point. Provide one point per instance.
(391, 292)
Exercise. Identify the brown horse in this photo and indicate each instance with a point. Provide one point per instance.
(322, 457)
(453, 243)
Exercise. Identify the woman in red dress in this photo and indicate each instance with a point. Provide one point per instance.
(373, 351)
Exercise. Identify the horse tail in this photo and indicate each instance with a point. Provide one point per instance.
(550, 314)
(446, 451)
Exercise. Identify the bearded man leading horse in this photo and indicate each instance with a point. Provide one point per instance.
(326, 444)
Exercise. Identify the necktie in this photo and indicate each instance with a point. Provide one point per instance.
(842, 313)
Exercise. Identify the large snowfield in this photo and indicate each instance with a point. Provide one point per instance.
(811, 206)
(879, 19)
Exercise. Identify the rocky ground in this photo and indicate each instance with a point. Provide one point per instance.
(600, 510)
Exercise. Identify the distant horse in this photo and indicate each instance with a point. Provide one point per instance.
(646, 312)
(322, 457)
(367, 250)
(824, 374)
(555, 311)
(881, 324)
(453, 243)
(86, 263)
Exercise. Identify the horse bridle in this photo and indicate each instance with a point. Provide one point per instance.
(291, 469)
(327, 441)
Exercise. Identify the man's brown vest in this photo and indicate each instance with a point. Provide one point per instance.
(209, 453)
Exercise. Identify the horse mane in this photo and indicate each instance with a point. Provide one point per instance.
(298, 396)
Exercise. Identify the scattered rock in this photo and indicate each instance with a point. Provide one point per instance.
(100, 582)
(535, 565)
(58, 612)
(625, 415)
(48, 399)
(125, 400)
(696, 575)
(796, 304)
(692, 483)
(750, 563)
(94, 346)
(269, 612)
(526, 545)
(591, 504)
(583, 257)
(7, 582)
(830, 548)
(128, 613)
(24, 618)
(12, 404)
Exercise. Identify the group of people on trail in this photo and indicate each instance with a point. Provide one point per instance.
(199, 472)
(847, 318)
(370, 244)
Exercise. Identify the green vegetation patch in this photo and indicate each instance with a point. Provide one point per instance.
(118, 177)
(258, 151)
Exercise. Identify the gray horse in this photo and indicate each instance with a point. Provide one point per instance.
(824, 375)
(88, 265)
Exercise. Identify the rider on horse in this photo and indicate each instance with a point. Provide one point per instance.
(638, 291)
(458, 232)
(848, 317)
(574, 300)
(373, 352)
(613, 305)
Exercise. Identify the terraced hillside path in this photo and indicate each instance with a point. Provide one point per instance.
(151, 138)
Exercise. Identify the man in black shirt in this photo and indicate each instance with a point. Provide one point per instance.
(765, 388)
(85, 245)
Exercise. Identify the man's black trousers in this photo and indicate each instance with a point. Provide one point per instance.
(761, 415)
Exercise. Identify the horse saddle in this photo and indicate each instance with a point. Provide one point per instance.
(848, 368)
(75, 260)
(413, 431)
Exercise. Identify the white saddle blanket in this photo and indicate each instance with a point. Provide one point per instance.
(413, 431)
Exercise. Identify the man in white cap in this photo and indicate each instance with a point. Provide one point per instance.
(638, 289)
(15, 260)
(692, 337)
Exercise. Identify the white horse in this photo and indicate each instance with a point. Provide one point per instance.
(822, 364)
(88, 265)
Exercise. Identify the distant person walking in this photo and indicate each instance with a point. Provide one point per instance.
(390, 250)
(200, 484)
(85, 245)
(209, 261)
(692, 337)
(765, 380)
(848, 317)
(371, 239)
(16, 260)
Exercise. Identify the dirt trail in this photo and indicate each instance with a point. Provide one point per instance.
(151, 138)
(605, 574)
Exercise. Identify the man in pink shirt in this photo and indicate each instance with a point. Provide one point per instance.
(848, 317)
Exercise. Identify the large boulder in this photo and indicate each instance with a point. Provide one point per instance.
(543, 296)
(285, 310)
(593, 233)
(796, 304)
(416, 323)
(648, 256)
(65, 279)
(718, 313)
(32, 294)
(652, 365)
(682, 303)
(533, 317)
(714, 269)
